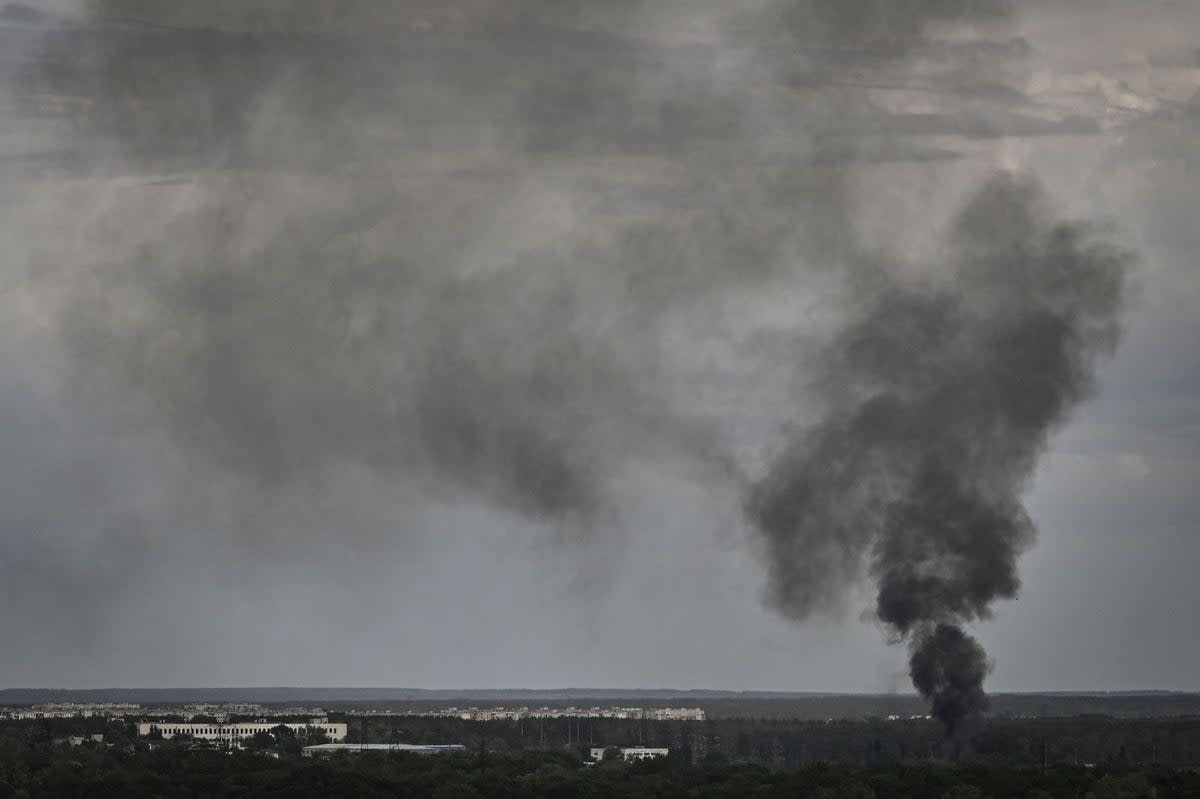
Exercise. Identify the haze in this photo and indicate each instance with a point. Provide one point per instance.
(441, 344)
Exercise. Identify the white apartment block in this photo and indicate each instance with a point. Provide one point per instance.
(631, 753)
(675, 714)
(515, 714)
(232, 734)
(70, 710)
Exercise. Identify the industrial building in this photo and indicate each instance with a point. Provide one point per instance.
(631, 753)
(516, 714)
(324, 750)
(233, 734)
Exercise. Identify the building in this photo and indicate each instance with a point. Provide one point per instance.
(80, 740)
(631, 753)
(519, 713)
(676, 714)
(516, 714)
(70, 710)
(325, 750)
(234, 734)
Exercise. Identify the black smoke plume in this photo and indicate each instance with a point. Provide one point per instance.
(948, 667)
(940, 397)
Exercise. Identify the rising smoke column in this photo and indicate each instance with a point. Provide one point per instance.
(940, 397)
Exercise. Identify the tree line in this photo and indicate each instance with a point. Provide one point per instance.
(36, 762)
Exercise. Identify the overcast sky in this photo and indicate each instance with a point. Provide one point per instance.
(434, 345)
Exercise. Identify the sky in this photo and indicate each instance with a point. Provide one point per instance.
(440, 345)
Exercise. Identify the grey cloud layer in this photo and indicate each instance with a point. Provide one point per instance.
(316, 298)
(486, 252)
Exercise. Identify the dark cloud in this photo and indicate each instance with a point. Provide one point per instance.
(334, 288)
(483, 254)
(21, 13)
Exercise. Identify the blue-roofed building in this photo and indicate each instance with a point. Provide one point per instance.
(324, 750)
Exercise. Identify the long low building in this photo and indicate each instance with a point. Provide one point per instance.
(324, 750)
(236, 732)
(630, 753)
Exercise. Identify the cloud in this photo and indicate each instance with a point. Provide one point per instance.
(439, 277)
(21, 14)
(1133, 466)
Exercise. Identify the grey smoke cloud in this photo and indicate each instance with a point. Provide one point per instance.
(300, 310)
(322, 292)
(487, 253)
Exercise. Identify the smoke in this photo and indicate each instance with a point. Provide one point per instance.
(948, 667)
(368, 255)
(448, 241)
(940, 397)
(496, 253)
(473, 247)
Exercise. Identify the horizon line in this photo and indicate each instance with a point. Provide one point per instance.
(584, 691)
